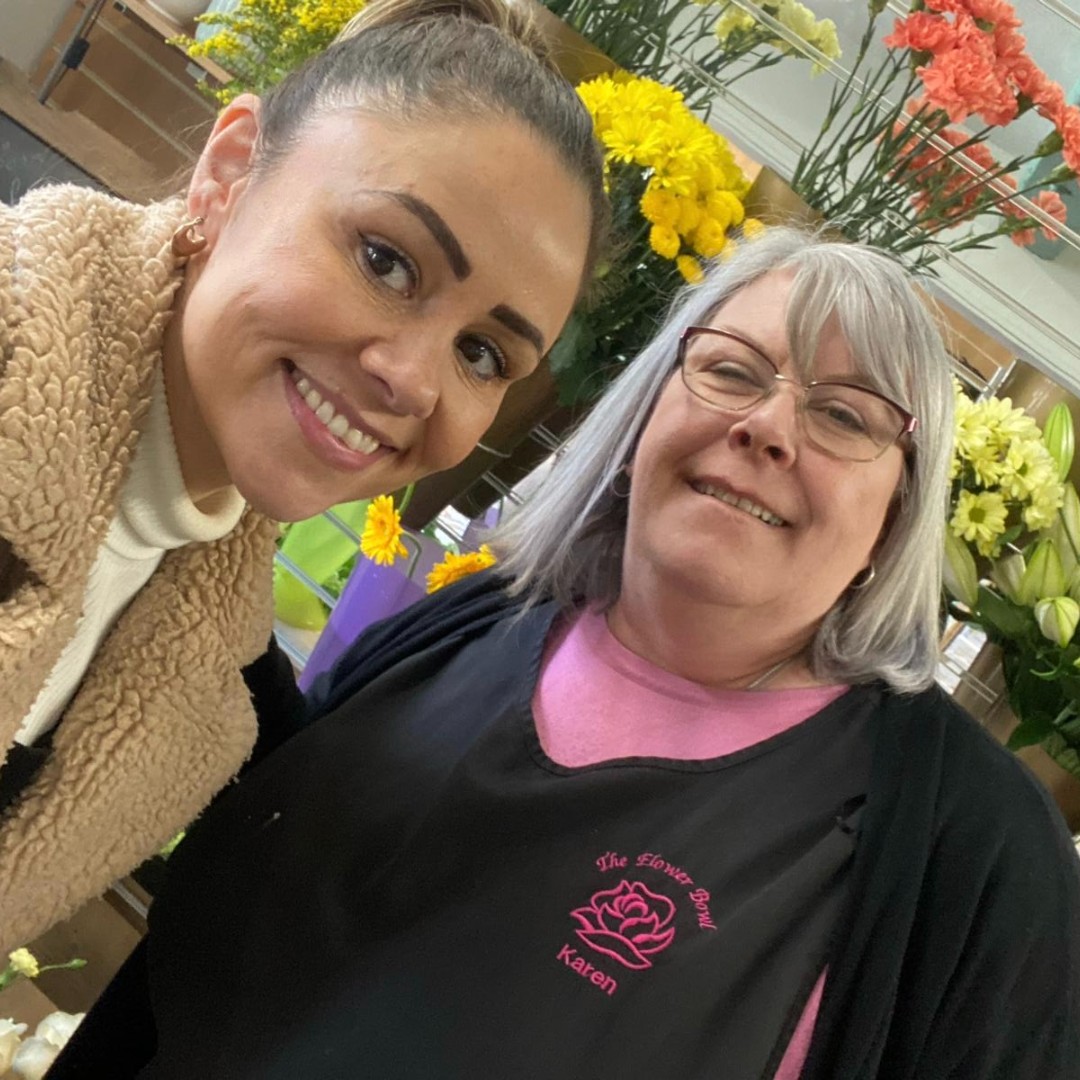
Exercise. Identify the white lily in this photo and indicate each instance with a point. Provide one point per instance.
(58, 1027)
(10, 1037)
(1044, 577)
(1058, 618)
(961, 577)
(34, 1058)
(1007, 573)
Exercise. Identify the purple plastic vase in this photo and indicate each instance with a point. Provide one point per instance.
(372, 593)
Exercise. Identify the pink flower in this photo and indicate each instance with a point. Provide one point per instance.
(963, 82)
(998, 12)
(952, 7)
(628, 923)
(1033, 83)
(1051, 202)
(1070, 132)
(923, 33)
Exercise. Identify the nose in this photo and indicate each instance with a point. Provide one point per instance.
(771, 426)
(406, 371)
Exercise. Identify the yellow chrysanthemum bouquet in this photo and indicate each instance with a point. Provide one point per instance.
(260, 41)
(1013, 561)
(676, 194)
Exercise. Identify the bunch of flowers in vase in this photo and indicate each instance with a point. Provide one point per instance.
(1012, 564)
(905, 158)
(260, 41)
(699, 47)
(676, 194)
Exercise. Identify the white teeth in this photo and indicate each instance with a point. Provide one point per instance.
(334, 422)
(741, 503)
(357, 440)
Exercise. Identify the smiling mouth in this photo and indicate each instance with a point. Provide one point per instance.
(762, 513)
(334, 422)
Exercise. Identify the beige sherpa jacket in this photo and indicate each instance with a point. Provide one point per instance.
(163, 718)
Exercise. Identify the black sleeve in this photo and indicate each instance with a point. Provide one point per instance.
(959, 956)
(278, 703)
(117, 1038)
(1010, 1008)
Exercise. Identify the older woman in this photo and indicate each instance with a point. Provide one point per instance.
(673, 796)
(364, 261)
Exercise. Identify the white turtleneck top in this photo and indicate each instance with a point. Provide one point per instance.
(154, 515)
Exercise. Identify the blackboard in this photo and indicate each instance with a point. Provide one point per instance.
(26, 162)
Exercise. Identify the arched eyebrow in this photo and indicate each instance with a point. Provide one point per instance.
(443, 234)
(460, 266)
(514, 320)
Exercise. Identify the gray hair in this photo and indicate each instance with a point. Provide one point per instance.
(429, 59)
(567, 541)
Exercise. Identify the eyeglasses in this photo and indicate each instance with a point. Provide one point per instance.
(844, 420)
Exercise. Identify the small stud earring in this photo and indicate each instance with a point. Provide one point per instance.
(187, 240)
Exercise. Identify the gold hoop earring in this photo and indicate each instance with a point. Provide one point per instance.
(187, 240)
(867, 576)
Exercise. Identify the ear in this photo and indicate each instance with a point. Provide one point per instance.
(224, 166)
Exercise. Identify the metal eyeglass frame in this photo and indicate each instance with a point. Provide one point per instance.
(910, 420)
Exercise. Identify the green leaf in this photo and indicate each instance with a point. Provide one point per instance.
(995, 613)
(573, 361)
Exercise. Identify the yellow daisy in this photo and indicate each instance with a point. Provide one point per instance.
(979, 518)
(455, 567)
(381, 538)
(690, 269)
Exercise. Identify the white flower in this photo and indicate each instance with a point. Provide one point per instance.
(58, 1027)
(10, 1034)
(1058, 619)
(33, 1059)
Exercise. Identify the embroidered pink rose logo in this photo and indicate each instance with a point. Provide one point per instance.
(629, 923)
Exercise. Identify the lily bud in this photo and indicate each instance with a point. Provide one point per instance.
(1058, 618)
(961, 578)
(1069, 516)
(1059, 439)
(1059, 536)
(1007, 573)
(1044, 576)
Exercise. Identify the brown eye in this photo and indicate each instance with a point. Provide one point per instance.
(389, 266)
(482, 357)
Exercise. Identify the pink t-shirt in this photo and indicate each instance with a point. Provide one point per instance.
(639, 710)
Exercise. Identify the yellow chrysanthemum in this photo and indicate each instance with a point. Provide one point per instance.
(455, 567)
(690, 216)
(709, 240)
(660, 207)
(753, 227)
(1043, 509)
(24, 962)
(690, 269)
(1032, 470)
(664, 241)
(979, 518)
(381, 538)
(691, 171)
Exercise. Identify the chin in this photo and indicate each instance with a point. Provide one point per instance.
(281, 504)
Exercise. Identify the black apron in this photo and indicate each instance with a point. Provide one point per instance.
(411, 889)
